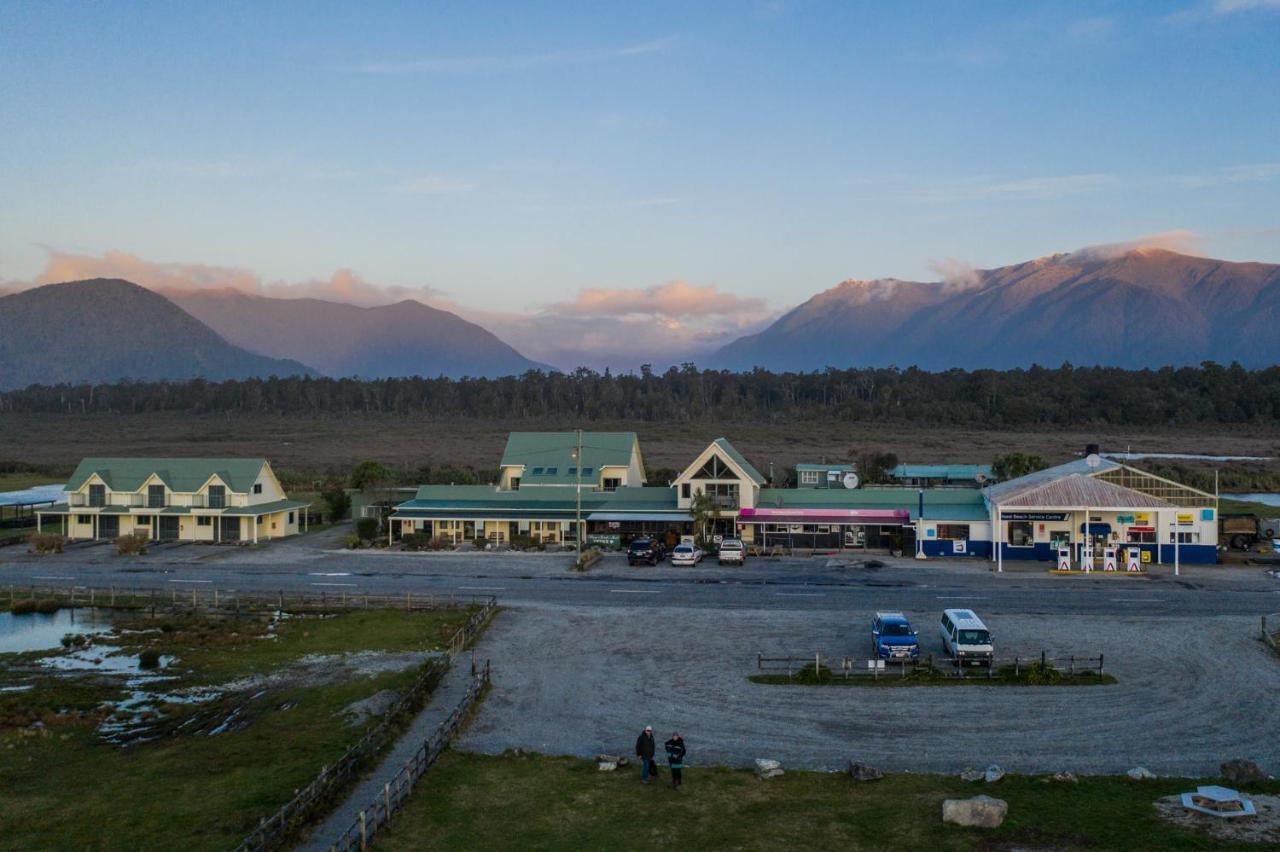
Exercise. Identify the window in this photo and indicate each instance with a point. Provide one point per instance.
(611, 483)
(515, 483)
(291, 517)
(262, 519)
(1187, 537)
(685, 491)
(715, 468)
(1141, 537)
(143, 520)
(552, 471)
(204, 521)
(573, 471)
(954, 532)
(97, 495)
(257, 488)
(587, 471)
(537, 471)
(84, 519)
(217, 497)
(155, 496)
(808, 477)
(1021, 534)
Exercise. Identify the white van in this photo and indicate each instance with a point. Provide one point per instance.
(965, 638)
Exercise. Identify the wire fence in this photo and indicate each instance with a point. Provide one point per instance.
(274, 831)
(817, 665)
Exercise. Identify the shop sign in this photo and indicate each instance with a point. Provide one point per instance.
(1033, 516)
(1185, 518)
(1126, 519)
(613, 540)
(1141, 518)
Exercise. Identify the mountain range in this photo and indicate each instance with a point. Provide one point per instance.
(1140, 308)
(103, 330)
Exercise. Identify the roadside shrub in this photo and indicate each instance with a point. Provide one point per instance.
(353, 542)
(48, 607)
(149, 659)
(414, 541)
(808, 674)
(1041, 674)
(44, 543)
(367, 528)
(526, 542)
(588, 558)
(479, 542)
(440, 543)
(336, 500)
(23, 607)
(132, 544)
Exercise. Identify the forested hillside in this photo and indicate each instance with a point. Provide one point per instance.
(1063, 396)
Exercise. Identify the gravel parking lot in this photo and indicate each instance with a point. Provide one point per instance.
(573, 680)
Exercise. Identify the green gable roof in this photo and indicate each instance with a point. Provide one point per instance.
(825, 467)
(486, 498)
(739, 459)
(553, 451)
(949, 472)
(182, 475)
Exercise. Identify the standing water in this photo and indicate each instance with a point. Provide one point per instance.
(39, 632)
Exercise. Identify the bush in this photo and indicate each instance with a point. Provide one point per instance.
(48, 607)
(440, 543)
(23, 607)
(337, 500)
(353, 541)
(526, 542)
(44, 543)
(149, 659)
(415, 541)
(479, 542)
(132, 544)
(367, 528)
(809, 675)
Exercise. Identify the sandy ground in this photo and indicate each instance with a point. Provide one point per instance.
(1192, 693)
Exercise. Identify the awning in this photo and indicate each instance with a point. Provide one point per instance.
(1097, 529)
(640, 516)
(891, 517)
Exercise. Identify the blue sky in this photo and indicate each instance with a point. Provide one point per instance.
(511, 156)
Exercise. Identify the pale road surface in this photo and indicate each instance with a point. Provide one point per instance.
(583, 661)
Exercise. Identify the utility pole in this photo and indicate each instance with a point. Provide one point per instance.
(920, 527)
(577, 457)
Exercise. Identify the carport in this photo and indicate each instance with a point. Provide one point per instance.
(826, 529)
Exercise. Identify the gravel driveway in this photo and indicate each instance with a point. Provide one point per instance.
(575, 680)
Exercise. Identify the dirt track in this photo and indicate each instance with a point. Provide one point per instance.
(1192, 693)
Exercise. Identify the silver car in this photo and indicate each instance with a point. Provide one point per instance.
(732, 551)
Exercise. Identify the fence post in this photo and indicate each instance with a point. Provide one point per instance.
(193, 598)
(386, 799)
(91, 601)
(1100, 666)
(1073, 665)
(280, 608)
(364, 834)
(1042, 663)
(817, 667)
(1017, 671)
(1264, 618)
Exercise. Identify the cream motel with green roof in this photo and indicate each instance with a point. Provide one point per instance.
(201, 500)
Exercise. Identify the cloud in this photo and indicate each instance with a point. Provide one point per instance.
(1042, 188)
(432, 185)
(344, 285)
(1227, 176)
(514, 62)
(956, 275)
(674, 300)
(1181, 241)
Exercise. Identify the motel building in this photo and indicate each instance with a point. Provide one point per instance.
(550, 480)
(208, 500)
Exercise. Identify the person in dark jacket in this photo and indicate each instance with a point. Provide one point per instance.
(675, 759)
(645, 748)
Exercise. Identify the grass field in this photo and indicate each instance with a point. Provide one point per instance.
(66, 788)
(314, 447)
(556, 803)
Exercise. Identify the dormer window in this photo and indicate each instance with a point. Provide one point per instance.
(515, 483)
(155, 496)
(97, 495)
(217, 497)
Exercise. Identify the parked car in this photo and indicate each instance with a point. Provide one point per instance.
(892, 637)
(965, 638)
(686, 554)
(645, 550)
(732, 550)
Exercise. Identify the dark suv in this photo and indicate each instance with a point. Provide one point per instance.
(648, 551)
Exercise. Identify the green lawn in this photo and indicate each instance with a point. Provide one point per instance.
(481, 802)
(67, 789)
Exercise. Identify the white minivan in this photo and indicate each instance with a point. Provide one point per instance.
(965, 638)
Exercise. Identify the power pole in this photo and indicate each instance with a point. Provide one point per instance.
(578, 493)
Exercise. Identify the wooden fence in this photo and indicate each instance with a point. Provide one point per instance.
(275, 831)
(847, 667)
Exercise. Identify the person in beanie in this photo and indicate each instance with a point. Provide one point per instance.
(644, 750)
(675, 759)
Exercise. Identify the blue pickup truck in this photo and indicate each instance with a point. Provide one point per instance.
(892, 637)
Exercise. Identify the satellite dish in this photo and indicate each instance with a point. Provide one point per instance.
(1093, 460)
(850, 480)
(981, 478)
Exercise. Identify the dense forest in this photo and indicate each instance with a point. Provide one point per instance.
(1061, 397)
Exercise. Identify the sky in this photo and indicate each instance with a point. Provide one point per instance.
(628, 180)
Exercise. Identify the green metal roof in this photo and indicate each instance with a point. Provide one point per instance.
(942, 504)
(266, 508)
(541, 453)
(950, 472)
(732, 452)
(486, 498)
(181, 475)
(822, 467)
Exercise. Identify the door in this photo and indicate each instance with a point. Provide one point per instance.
(168, 528)
(108, 526)
(230, 528)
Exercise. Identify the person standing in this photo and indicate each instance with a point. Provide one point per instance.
(645, 748)
(675, 759)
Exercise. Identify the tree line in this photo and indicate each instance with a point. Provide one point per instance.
(1065, 396)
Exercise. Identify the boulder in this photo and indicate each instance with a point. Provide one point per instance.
(978, 812)
(862, 772)
(1241, 771)
(972, 775)
(1064, 778)
(606, 765)
(993, 774)
(1140, 773)
(766, 768)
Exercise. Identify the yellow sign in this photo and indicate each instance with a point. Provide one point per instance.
(1142, 519)
(1186, 518)
(1146, 555)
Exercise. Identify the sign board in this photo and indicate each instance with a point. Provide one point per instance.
(1146, 556)
(1141, 518)
(610, 540)
(1033, 516)
(1185, 518)
(959, 546)
(875, 664)
(1125, 519)
(615, 525)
